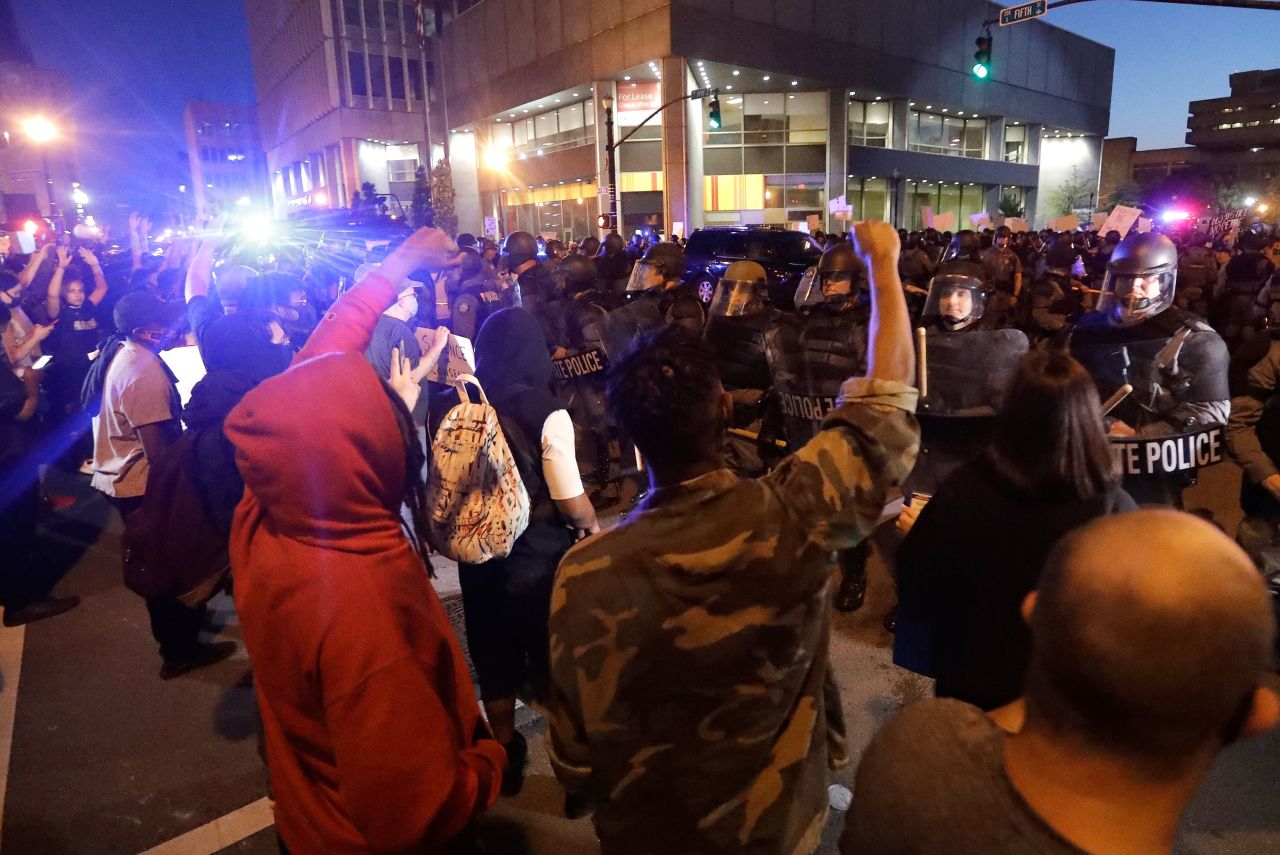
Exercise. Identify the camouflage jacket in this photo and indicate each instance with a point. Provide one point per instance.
(689, 644)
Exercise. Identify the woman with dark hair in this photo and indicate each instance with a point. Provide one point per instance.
(507, 601)
(976, 549)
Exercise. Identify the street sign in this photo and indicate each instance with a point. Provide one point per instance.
(700, 93)
(1024, 12)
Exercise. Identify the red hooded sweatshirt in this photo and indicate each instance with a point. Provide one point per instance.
(367, 705)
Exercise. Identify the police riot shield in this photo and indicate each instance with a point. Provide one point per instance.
(809, 358)
(736, 325)
(966, 374)
(1170, 382)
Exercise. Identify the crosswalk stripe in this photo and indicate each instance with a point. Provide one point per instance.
(222, 832)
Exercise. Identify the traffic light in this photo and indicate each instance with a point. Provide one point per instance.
(714, 120)
(604, 221)
(982, 59)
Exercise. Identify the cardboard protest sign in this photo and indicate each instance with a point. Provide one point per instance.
(945, 222)
(980, 221)
(1016, 224)
(1068, 223)
(458, 358)
(1121, 219)
(926, 216)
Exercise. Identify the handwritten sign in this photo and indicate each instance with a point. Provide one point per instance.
(1067, 223)
(1228, 221)
(457, 358)
(1016, 224)
(1121, 219)
(1169, 455)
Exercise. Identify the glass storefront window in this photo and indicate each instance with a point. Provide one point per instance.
(766, 164)
(868, 198)
(934, 133)
(944, 197)
(1015, 143)
(869, 123)
(554, 130)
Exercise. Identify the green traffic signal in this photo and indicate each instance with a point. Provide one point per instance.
(982, 59)
(714, 120)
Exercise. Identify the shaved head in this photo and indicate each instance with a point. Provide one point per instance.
(1151, 631)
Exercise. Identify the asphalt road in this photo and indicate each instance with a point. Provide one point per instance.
(106, 758)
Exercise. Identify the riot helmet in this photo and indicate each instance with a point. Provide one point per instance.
(743, 291)
(555, 248)
(578, 274)
(472, 264)
(662, 262)
(518, 248)
(613, 244)
(1140, 280)
(966, 246)
(955, 300)
(590, 246)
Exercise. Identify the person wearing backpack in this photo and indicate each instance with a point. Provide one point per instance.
(373, 735)
(507, 600)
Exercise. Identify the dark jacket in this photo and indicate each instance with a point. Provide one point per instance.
(214, 457)
(963, 571)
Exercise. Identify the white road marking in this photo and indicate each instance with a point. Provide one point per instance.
(11, 643)
(222, 832)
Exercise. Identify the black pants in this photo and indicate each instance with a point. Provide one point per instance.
(21, 582)
(174, 626)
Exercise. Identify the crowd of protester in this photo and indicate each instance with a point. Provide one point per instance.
(1097, 656)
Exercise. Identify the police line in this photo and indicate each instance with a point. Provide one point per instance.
(1169, 455)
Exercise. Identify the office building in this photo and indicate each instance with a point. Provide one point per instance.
(38, 163)
(1231, 140)
(228, 169)
(342, 93)
(867, 102)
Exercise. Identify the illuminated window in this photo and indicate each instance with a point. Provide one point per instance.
(869, 123)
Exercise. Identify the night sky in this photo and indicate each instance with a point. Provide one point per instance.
(134, 64)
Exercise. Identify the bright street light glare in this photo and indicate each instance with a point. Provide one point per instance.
(39, 129)
(1250, 201)
(79, 197)
(244, 202)
(495, 158)
(258, 226)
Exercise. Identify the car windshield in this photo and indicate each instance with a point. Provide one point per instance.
(797, 248)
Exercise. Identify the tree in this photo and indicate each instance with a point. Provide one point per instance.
(1011, 206)
(442, 198)
(1074, 192)
(421, 213)
(1129, 196)
(1229, 196)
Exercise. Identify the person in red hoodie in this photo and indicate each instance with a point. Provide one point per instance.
(374, 737)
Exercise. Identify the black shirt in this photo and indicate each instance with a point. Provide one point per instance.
(77, 334)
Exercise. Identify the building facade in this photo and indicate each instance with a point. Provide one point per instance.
(833, 111)
(228, 169)
(36, 174)
(342, 95)
(1231, 140)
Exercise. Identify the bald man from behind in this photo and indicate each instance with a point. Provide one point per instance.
(1152, 643)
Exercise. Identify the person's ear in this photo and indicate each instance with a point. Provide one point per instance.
(1264, 713)
(1028, 607)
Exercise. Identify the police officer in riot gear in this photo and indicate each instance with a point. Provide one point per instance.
(589, 247)
(520, 260)
(1005, 269)
(957, 302)
(737, 320)
(809, 355)
(1057, 296)
(1175, 364)
(473, 295)
(1197, 275)
(1240, 311)
(657, 276)
(964, 257)
(613, 265)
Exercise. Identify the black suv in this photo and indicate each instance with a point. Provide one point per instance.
(785, 255)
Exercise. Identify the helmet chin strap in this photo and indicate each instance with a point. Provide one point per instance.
(954, 324)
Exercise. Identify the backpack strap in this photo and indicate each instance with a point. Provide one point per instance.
(461, 386)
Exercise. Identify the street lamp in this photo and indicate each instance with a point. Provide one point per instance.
(610, 164)
(80, 197)
(41, 132)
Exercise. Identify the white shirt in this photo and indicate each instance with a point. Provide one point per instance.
(560, 458)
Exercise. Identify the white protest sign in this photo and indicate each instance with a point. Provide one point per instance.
(457, 358)
(1016, 224)
(1121, 220)
(1068, 223)
(187, 367)
(1144, 225)
(980, 221)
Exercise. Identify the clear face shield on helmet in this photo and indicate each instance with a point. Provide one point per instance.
(1131, 298)
(955, 301)
(737, 299)
(644, 275)
(816, 287)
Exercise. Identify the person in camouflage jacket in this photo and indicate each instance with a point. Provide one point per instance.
(689, 645)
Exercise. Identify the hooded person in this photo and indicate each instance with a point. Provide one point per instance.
(374, 739)
(506, 601)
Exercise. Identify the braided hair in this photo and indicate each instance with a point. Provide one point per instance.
(415, 488)
(664, 391)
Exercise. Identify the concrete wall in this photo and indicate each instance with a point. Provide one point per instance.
(916, 48)
(505, 52)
